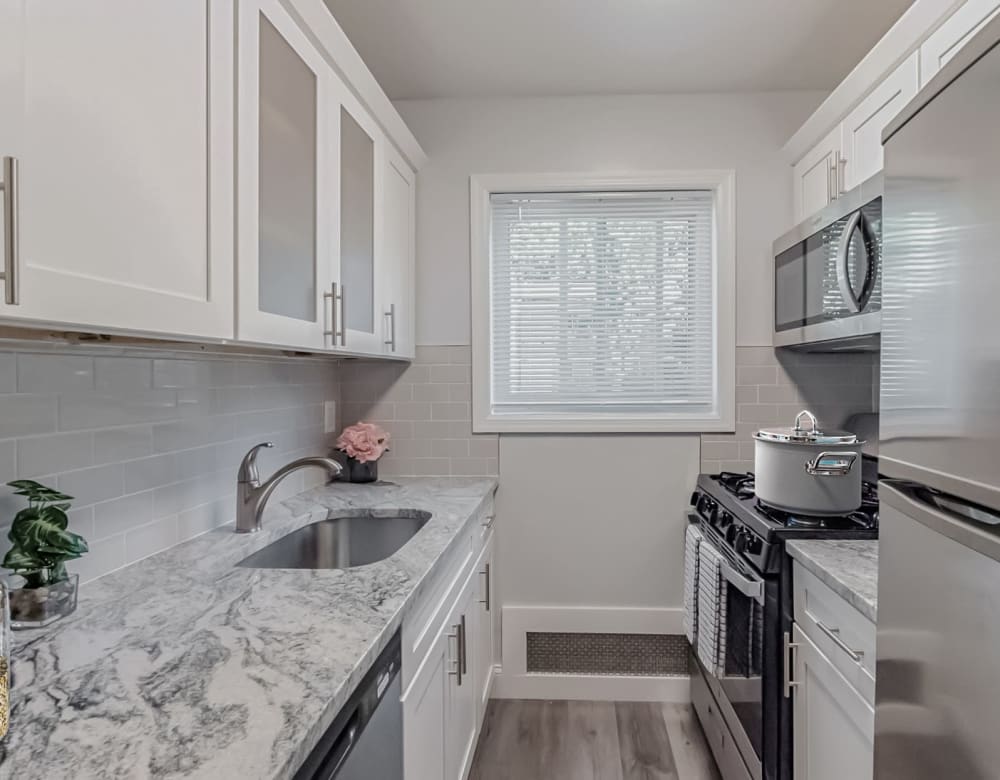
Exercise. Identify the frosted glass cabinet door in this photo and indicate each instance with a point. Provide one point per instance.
(283, 250)
(119, 114)
(360, 205)
(398, 245)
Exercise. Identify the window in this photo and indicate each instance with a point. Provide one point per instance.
(603, 306)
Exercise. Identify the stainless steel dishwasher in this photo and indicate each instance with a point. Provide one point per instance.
(365, 741)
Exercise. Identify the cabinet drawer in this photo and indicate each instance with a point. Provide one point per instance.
(843, 634)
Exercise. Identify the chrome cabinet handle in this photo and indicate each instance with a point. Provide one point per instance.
(464, 650)
(791, 648)
(11, 243)
(488, 522)
(837, 464)
(841, 174)
(486, 601)
(456, 670)
(831, 172)
(391, 314)
(336, 333)
(834, 634)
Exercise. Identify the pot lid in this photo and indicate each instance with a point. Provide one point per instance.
(810, 434)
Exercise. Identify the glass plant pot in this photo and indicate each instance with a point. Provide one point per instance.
(38, 607)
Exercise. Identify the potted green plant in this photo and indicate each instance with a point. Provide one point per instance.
(42, 591)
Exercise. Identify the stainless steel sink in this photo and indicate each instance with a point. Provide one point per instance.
(340, 542)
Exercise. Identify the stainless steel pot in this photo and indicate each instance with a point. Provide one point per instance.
(808, 471)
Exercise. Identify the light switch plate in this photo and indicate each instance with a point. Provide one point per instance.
(330, 417)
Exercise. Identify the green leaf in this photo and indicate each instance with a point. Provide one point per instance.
(19, 561)
(44, 530)
(36, 491)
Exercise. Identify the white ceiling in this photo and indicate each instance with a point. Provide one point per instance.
(482, 48)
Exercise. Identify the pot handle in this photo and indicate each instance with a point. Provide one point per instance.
(831, 464)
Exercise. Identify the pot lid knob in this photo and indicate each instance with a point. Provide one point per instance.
(813, 422)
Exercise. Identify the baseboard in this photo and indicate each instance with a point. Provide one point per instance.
(676, 690)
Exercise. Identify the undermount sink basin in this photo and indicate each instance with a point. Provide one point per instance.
(340, 542)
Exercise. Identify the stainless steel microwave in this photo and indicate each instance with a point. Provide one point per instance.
(828, 276)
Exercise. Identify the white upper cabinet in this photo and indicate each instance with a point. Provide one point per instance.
(361, 147)
(398, 249)
(815, 176)
(951, 36)
(119, 116)
(285, 167)
(862, 128)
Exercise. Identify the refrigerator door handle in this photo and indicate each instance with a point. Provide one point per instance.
(968, 524)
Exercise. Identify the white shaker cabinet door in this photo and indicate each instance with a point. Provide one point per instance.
(462, 727)
(948, 39)
(398, 247)
(425, 711)
(815, 176)
(119, 115)
(862, 128)
(833, 726)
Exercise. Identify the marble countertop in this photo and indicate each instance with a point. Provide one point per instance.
(184, 666)
(849, 567)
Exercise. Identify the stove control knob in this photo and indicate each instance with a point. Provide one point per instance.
(694, 498)
(755, 545)
(731, 533)
(741, 540)
(725, 519)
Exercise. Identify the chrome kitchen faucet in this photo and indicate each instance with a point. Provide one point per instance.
(251, 495)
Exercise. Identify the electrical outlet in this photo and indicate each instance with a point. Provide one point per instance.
(330, 417)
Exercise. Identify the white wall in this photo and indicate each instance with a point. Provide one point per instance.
(596, 521)
(463, 137)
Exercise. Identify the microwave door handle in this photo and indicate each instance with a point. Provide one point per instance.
(843, 260)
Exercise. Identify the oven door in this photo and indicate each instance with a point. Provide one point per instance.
(742, 684)
(740, 690)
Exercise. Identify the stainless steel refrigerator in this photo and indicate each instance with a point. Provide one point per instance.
(938, 673)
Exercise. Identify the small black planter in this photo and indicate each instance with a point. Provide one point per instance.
(356, 471)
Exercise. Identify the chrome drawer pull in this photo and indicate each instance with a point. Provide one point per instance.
(834, 634)
(790, 649)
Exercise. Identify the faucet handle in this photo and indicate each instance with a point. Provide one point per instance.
(248, 466)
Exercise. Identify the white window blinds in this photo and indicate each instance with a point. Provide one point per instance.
(603, 303)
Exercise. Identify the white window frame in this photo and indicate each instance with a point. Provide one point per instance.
(723, 185)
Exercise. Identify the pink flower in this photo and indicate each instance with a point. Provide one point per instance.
(363, 441)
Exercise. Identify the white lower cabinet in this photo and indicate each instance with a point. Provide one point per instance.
(445, 699)
(833, 725)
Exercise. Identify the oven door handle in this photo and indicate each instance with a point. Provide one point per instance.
(753, 589)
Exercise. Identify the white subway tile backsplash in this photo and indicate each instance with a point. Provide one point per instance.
(121, 373)
(773, 386)
(50, 454)
(120, 514)
(149, 446)
(8, 372)
(121, 444)
(426, 407)
(151, 538)
(54, 373)
(80, 411)
(26, 415)
(91, 485)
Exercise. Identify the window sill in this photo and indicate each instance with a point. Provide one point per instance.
(510, 423)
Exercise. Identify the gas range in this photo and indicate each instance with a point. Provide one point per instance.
(756, 532)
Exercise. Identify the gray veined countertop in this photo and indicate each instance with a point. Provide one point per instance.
(183, 666)
(849, 567)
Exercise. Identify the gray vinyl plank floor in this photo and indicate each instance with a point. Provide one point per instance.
(591, 740)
